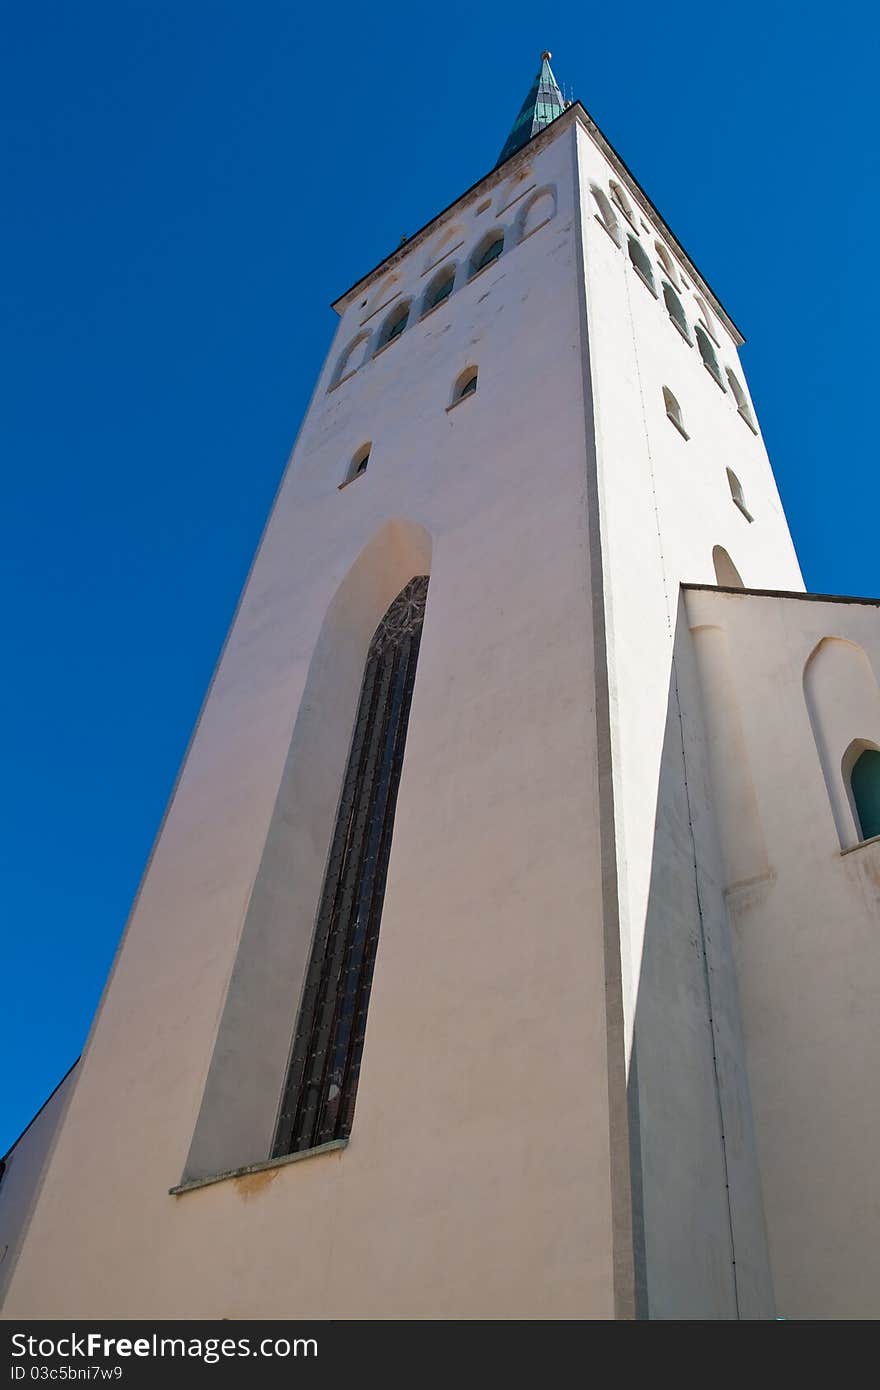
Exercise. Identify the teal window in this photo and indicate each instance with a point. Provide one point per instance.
(865, 783)
(642, 263)
(675, 310)
(489, 252)
(707, 352)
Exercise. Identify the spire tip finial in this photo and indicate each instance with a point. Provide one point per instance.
(546, 56)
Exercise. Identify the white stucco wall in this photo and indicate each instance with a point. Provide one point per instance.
(478, 1180)
(664, 503)
(557, 988)
(807, 951)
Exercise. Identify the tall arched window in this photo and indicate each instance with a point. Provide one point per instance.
(319, 1096)
(707, 352)
(737, 494)
(606, 215)
(864, 781)
(487, 252)
(439, 289)
(742, 404)
(394, 325)
(642, 263)
(675, 310)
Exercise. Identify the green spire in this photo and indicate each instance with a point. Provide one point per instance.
(542, 105)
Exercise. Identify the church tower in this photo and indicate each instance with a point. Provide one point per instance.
(480, 968)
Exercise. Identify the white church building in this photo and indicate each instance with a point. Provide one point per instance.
(596, 1035)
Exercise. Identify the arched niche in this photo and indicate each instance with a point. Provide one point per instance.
(727, 576)
(351, 358)
(536, 211)
(843, 702)
(245, 1081)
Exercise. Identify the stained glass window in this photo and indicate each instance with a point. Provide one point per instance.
(319, 1097)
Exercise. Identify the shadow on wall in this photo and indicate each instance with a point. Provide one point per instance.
(691, 1130)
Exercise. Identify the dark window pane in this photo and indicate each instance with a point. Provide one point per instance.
(319, 1096)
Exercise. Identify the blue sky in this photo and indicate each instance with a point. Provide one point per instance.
(186, 188)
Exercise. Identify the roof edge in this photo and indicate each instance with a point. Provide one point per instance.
(783, 593)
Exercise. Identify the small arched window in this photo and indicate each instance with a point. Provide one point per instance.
(707, 352)
(667, 263)
(358, 465)
(737, 494)
(394, 325)
(439, 289)
(864, 781)
(742, 405)
(606, 215)
(727, 575)
(642, 263)
(623, 203)
(673, 411)
(675, 310)
(487, 252)
(465, 385)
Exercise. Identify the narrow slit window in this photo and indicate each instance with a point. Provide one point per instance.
(319, 1096)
